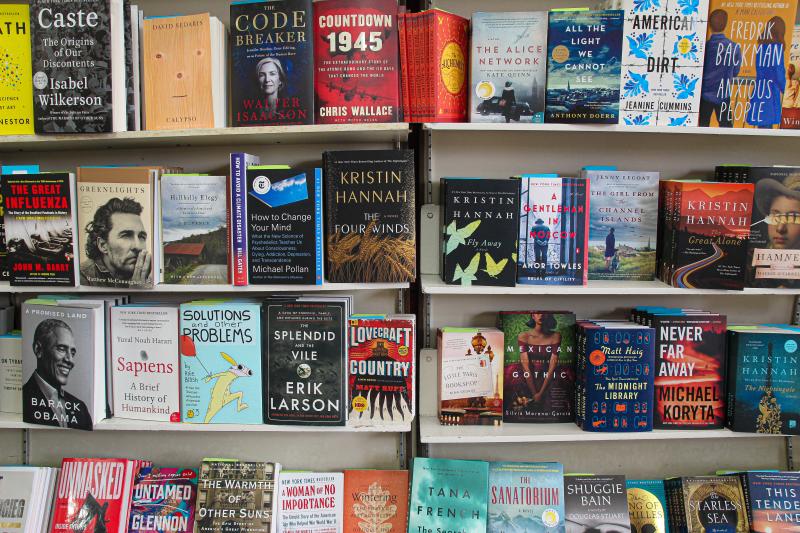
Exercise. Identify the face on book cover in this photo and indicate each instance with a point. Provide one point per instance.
(55, 351)
(784, 233)
(123, 250)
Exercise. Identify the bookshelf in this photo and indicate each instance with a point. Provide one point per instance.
(200, 289)
(610, 128)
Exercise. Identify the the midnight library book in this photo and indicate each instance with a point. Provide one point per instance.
(272, 62)
(481, 217)
(773, 500)
(370, 216)
(526, 497)
(593, 501)
(647, 506)
(706, 504)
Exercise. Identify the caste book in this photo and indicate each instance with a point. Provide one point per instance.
(310, 502)
(526, 497)
(16, 89)
(375, 500)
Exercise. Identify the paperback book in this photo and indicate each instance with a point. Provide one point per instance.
(707, 504)
(375, 500)
(310, 502)
(772, 500)
(526, 497)
(594, 501)
(26, 498)
(164, 500)
(647, 505)
(16, 89)
(790, 112)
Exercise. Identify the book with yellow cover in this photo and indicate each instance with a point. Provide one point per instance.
(16, 89)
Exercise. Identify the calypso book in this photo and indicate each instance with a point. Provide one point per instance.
(526, 498)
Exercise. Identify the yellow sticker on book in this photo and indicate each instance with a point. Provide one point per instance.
(359, 404)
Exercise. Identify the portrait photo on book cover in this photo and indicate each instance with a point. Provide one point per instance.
(272, 80)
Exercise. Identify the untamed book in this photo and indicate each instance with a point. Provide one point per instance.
(526, 497)
(164, 500)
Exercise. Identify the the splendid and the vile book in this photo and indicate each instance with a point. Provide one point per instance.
(772, 500)
(164, 500)
(375, 500)
(596, 500)
(526, 497)
(706, 504)
(310, 502)
(647, 505)
(16, 89)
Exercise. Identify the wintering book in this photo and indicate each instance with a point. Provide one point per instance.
(375, 499)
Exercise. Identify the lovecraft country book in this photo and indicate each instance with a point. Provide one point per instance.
(448, 495)
(508, 69)
(481, 217)
(790, 114)
(534, 340)
(220, 348)
(706, 504)
(773, 500)
(647, 505)
(584, 53)
(164, 500)
(375, 500)
(16, 89)
(272, 62)
(370, 221)
(526, 497)
(553, 231)
(356, 62)
(593, 501)
(310, 502)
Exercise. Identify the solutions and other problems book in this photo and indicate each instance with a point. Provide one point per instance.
(647, 505)
(706, 504)
(164, 500)
(596, 500)
(16, 89)
(310, 502)
(526, 497)
(375, 500)
(772, 499)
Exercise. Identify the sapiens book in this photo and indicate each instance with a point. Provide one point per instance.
(310, 502)
(772, 500)
(584, 64)
(220, 362)
(553, 231)
(594, 501)
(11, 373)
(647, 505)
(272, 62)
(356, 62)
(16, 86)
(370, 216)
(706, 504)
(164, 500)
(622, 224)
(39, 215)
(479, 231)
(539, 374)
(508, 66)
(790, 112)
(448, 494)
(375, 499)
(526, 497)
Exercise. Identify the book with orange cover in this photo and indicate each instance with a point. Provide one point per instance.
(375, 500)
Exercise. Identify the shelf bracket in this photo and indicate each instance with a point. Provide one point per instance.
(789, 453)
(26, 447)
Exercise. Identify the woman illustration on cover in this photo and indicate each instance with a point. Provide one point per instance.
(770, 83)
(508, 101)
(779, 204)
(538, 357)
(271, 80)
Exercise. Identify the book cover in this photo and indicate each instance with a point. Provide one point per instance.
(744, 76)
(662, 62)
(772, 499)
(622, 225)
(707, 504)
(535, 342)
(16, 89)
(380, 361)
(39, 218)
(448, 494)
(370, 216)
(356, 63)
(195, 235)
(115, 226)
(310, 502)
(164, 500)
(481, 217)
(584, 58)
(284, 226)
(508, 66)
(18, 493)
(145, 362)
(442, 63)
(11, 373)
(220, 348)
(647, 505)
(304, 357)
(594, 501)
(526, 498)
(375, 500)
(553, 231)
(272, 62)
(790, 112)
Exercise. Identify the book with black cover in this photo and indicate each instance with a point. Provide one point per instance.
(593, 502)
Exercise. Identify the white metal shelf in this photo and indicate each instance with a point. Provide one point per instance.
(172, 289)
(611, 128)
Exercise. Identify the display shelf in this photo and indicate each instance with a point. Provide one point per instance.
(610, 128)
(171, 289)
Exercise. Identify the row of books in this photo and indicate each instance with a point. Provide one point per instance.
(668, 368)
(733, 232)
(133, 227)
(286, 360)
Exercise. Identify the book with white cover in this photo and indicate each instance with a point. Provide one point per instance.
(11, 373)
(310, 502)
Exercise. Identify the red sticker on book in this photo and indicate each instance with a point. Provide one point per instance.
(597, 357)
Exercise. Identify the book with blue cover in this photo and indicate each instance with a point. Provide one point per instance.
(220, 347)
(526, 497)
(772, 500)
(647, 505)
(163, 500)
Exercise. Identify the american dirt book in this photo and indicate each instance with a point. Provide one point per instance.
(744, 76)
(195, 233)
(310, 502)
(380, 360)
(448, 495)
(284, 226)
(662, 62)
(370, 221)
(305, 351)
(481, 217)
(16, 89)
(584, 56)
(272, 62)
(220, 361)
(164, 500)
(145, 362)
(508, 69)
(772, 499)
(11, 373)
(375, 499)
(115, 226)
(553, 231)
(39, 217)
(535, 340)
(706, 504)
(356, 62)
(622, 224)
(647, 505)
(470, 376)
(526, 497)
(237, 494)
(596, 500)
(790, 114)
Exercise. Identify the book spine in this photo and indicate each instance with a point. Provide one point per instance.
(238, 209)
(401, 27)
(733, 363)
(319, 236)
(743, 481)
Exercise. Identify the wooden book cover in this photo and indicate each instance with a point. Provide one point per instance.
(177, 73)
(375, 500)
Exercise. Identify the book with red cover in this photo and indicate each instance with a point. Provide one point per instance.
(449, 77)
(375, 500)
(356, 70)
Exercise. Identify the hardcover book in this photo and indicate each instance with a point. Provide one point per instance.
(790, 114)
(356, 63)
(481, 217)
(647, 505)
(772, 500)
(448, 494)
(310, 502)
(553, 231)
(584, 56)
(594, 501)
(26, 495)
(16, 89)
(370, 216)
(526, 497)
(239, 161)
(11, 373)
(272, 62)
(508, 69)
(444, 67)
(375, 500)
(707, 504)
(164, 500)
(220, 348)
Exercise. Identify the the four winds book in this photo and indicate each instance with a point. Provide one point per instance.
(594, 501)
(526, 497)
(375, 499)
(164, 500)
(16, 89)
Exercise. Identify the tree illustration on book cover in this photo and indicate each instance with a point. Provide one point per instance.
(375, 510)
